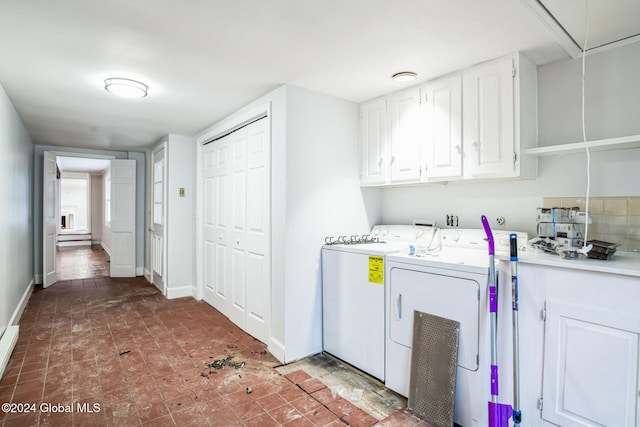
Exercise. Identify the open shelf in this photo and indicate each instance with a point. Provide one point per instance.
(620, 143)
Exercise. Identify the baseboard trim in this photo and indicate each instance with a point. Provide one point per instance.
(139, 271)
(7, 344)
(106, 249)
(181, 292)
(74, 243)
(147, 275)
(17, 313)
(276, 348)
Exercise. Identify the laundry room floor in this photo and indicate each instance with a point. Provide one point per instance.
(115, 352)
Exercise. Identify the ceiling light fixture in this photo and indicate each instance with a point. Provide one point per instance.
(126, 88)
(404, 76)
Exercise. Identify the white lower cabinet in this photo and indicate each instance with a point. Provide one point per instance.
(579, 347)
(590, 366)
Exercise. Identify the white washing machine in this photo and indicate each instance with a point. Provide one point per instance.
(353, 294)
(451, 283)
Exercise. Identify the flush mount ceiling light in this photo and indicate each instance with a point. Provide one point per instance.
(404, 76)
(126, 88)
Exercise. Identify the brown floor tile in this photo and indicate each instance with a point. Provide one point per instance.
(285, 413)
(263, 420)
(359, 418)
(312, 385)
(121, 345)
(321, 416)
(297, 377)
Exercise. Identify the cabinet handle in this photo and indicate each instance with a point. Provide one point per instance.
(457, 147)
(393, 159)
(398, 298)
(476, 144)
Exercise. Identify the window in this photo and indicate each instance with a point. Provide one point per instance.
(158, 191)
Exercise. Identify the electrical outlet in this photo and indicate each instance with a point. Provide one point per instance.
(500, 220)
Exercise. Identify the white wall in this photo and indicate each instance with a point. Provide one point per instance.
(180, 158)
(16, 253)
(323, 198)
(612, 105)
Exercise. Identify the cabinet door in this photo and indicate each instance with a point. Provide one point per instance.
(405, 135)
(489, 139)
(373, 142)
(442, 114)
(590, 367)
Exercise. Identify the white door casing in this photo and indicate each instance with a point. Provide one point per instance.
(50, 219)
(158, 219)
(123, 218)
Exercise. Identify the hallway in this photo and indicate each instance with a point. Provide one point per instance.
(81, 262)
(115, 352)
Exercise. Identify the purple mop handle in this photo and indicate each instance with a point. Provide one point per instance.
(487, 230)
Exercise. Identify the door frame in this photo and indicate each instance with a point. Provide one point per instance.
(55, 155)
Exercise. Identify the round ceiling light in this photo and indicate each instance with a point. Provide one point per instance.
(404, 76)
(126, 88)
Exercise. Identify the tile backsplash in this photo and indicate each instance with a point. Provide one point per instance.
(614, 219)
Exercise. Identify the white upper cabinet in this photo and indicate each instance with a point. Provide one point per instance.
(473, 124)
(499, 111)
(405, 135)
(441, 112)
(373, 142)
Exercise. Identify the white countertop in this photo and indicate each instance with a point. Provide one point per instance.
(624, 263)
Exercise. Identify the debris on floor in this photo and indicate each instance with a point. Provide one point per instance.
(227, 361)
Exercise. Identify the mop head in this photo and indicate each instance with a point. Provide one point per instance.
(499, 414)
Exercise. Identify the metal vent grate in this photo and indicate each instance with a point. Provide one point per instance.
(434, 358)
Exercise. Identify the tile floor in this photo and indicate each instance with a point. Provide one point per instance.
(115, 352)
(81, 262)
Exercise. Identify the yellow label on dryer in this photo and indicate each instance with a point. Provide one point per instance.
(376, 270)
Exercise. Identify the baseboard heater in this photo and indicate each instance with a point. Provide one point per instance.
(7, 344)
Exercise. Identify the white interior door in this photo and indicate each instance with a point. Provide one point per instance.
(216, 169)
(258, 284)
(123, 218)
(50, 219)
(237, 199)
(236, 226)
(158, 220)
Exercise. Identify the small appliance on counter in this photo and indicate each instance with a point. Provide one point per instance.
(560, 231)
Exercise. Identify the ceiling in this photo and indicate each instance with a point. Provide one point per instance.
(204, 59)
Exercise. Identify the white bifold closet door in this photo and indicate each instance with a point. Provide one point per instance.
(236, 226)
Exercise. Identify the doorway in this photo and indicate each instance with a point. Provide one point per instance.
(81, 206)
(118, 223)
